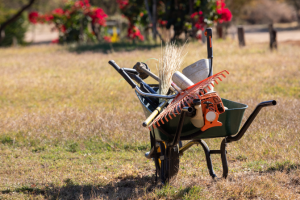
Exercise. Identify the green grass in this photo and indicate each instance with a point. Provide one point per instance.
(70, 127)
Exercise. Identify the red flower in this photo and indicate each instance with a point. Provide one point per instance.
(107, 38)
(133, 32)
(98, 16)
(55, 41)
(122, 3)
(79, 4)
(162, 22)
(47, 18)
(33, 17)
(63, 28)
(226, 15)
(221, 4)
(194, 14)
(58, 11)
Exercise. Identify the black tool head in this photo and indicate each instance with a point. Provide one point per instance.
(137, 67)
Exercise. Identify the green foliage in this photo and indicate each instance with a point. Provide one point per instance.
(15, 31)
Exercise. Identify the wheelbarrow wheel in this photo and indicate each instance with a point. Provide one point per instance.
(166, 161)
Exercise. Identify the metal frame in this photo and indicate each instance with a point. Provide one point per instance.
(222, 151)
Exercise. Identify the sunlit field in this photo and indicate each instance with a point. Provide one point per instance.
(71, 127)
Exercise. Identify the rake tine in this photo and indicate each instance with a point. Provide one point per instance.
(158, 123)
(173, 114)
(166, 119)
(177, 111)
(219, 78)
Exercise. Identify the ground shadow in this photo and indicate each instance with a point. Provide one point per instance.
(266, 29)
(112, 47)
(125, 188)
(286, 166)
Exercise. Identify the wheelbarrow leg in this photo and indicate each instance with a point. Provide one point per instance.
(224, 158)
(208, 152)
(208, 158)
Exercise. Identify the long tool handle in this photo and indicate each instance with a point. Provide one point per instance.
(208, 34)
(154, 113)
(144, 70)
(123, 73)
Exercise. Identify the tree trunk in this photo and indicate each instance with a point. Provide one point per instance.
(14, 17)
(154, 20)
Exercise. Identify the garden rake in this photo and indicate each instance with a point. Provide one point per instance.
(187, 96)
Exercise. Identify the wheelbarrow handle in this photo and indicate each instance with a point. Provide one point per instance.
(134, 86)
(250, 120)
(123, 73)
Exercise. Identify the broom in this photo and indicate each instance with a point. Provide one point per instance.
(170, 61)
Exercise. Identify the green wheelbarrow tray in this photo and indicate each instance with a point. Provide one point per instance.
(181, 128)
(231, 120)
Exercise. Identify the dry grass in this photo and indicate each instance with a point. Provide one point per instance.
(70, 127)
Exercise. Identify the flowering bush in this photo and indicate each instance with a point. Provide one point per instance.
(136, 15)
(207, 12)
(73, 20)
(220, 15)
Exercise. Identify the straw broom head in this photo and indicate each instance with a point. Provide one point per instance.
(170, 61)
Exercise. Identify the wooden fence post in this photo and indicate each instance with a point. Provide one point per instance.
(241, 36)
(273, 38)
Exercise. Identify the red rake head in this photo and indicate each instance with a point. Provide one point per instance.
(186, 97)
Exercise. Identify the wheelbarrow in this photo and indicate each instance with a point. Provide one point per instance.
(166, 145)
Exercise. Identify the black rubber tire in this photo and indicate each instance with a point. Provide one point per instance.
(170, 164)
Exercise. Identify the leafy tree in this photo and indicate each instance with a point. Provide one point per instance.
(12, 24)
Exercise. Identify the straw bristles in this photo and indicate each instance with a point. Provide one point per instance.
(170, 61)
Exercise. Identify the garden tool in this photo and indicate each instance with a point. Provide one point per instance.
(197, 71)
(186, 97)
(212, 106)
(181, 80)
(144, 72)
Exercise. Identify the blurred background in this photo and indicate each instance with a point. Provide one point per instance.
(26, 22)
